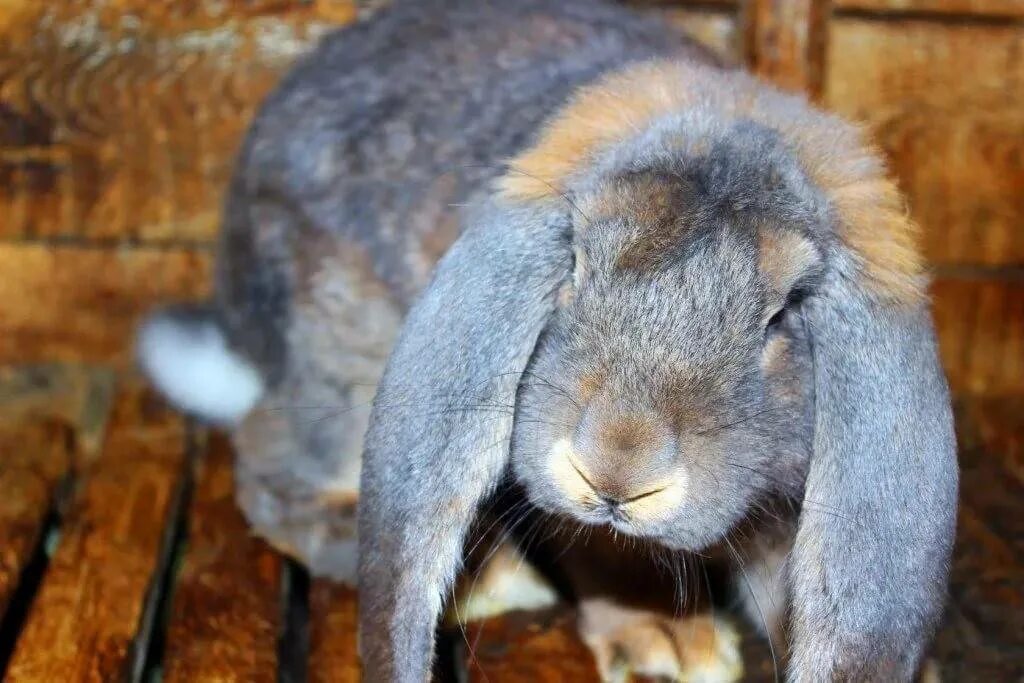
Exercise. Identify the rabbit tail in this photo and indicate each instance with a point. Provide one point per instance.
(186, 355)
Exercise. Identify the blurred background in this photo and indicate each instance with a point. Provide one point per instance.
(119, 121)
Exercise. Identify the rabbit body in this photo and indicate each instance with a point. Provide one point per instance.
(689, 309)
(348, 189)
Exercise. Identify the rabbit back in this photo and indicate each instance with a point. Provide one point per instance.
(348, 189)
(375, 140)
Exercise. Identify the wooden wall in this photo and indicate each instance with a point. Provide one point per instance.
(119, 120)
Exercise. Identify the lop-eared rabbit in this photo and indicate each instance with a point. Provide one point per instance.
(558, 247)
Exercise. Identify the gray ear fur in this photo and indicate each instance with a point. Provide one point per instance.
(870, 562)
(439, 431)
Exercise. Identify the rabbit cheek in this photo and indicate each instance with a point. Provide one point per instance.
(659, 507)
(567, 478)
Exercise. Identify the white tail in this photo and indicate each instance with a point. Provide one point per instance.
(187, 358)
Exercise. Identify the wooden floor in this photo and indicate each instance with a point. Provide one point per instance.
(123, 556)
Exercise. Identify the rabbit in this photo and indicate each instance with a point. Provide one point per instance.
(555, 244)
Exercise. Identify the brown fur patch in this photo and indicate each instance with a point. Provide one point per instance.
(589, 385)
(872, 220)
(784, 257)
(657, 206)
(627, 434)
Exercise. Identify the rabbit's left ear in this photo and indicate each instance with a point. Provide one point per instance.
(439, 432)
(869, 567)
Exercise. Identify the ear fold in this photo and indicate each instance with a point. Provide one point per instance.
(439, 431)
(870, 562)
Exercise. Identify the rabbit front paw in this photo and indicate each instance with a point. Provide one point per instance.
(694, 649)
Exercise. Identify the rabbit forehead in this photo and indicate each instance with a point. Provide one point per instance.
(649, 210)
(867, 212)
(702, 310)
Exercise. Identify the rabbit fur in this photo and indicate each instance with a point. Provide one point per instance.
(554, 243)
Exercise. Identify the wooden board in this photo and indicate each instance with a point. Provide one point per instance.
(35, 458)
(527, 646)
(980, 323)
(333, 620)
(227, 602)
(121, 119)
(91, 617)
(944, 100)
(984, 8)
(75, 396)
(785, 42)
(82, 304)
(981, 639)
(716, 28)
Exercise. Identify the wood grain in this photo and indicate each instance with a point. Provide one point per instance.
(90, 617)
(227, 609)
(120, 118)
(333, 619)
(527, 646)
(82, 304)
(35, 458)
(716, 28)
(944, 100)
(980, 323)
(980, 640)
(785, 42)
(76, 396)
(984, 8)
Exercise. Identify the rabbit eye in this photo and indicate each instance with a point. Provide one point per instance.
(774, 324)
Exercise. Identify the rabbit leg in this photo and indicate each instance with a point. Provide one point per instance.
(299, 452)
(700, 647)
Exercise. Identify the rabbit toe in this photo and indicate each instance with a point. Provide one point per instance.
(693, 649)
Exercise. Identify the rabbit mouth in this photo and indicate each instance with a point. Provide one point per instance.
(596, 503)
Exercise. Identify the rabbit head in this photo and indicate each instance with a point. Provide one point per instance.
(670, 389)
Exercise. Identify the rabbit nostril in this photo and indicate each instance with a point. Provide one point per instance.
(582, 476)
(614, 501)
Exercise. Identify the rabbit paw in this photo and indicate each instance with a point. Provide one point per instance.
(694, 649)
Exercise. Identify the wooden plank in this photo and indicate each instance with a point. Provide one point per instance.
(716, 28)
(76, 396)
(785, 42)
(227, 609)
(980, 325)
(944, 101)
(82, 304)
(985, 618)
(982, 8)
(121, 119)
(91, 616)
(35, 458)
(527, 646)
(333, 620)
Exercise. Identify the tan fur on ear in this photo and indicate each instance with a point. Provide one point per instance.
(872, 220)
(784, 257)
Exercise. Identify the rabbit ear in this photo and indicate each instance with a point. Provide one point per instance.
(439, 432)
(870, 562)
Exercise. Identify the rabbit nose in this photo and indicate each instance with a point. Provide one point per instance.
(622, 456)
(613, 495)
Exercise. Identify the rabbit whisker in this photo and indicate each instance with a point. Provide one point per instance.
(741, 567)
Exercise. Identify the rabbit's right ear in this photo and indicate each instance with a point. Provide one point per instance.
(439, 432)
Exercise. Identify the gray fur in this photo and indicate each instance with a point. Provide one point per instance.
(347, 193)
(343, 203)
